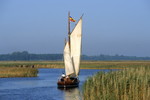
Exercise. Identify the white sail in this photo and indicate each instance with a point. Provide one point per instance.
(68, 61)
(75, 45)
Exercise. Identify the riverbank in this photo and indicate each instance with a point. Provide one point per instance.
(6, 72)
(130, 84)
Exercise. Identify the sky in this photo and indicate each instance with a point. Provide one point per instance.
(110, 27)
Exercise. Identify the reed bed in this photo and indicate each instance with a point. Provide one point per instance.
(127, 84)
(6, 72)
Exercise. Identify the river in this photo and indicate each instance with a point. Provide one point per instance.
(43, 87)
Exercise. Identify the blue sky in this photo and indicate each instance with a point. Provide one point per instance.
(109, 26)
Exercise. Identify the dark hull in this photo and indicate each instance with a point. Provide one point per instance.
(68, 82)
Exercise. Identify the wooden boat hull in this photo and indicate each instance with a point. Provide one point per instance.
(68, 82)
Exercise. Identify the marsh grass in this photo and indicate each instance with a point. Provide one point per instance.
(128, 84)
(6, 72)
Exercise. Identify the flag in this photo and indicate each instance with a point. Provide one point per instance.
(71, 19)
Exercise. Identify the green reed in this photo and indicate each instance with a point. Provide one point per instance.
(127, 84)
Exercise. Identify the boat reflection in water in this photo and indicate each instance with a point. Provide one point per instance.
(71, 93)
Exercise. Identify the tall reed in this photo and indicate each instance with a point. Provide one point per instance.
(129, 84)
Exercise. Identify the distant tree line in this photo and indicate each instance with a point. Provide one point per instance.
(25, 56)
(115, 57)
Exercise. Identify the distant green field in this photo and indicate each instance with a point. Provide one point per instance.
(27, 66)
(84, 64)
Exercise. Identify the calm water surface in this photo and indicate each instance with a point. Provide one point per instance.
(43, 87)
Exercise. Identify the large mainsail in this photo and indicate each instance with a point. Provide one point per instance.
(75, 45)
(68, 61)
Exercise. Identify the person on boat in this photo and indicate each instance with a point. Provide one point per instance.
(63, 75)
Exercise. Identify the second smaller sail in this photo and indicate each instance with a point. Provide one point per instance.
(69, 69)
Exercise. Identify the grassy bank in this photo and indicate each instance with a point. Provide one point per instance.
(129, 84)
(6, 72)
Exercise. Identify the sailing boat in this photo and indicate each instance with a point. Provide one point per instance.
(72, 53)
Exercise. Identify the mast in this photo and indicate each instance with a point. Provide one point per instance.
(69, 28)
